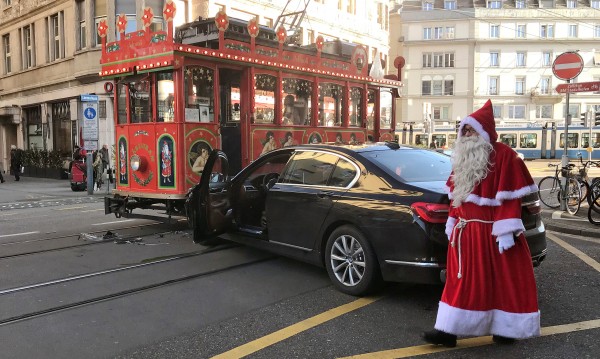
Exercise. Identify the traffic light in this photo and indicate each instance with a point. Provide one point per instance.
(584, 119)
(597, 119)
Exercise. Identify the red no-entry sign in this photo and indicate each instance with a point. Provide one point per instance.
(567, 65)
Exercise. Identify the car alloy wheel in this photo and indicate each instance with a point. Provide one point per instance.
(350, 261)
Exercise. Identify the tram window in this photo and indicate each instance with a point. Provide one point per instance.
(330, 104)
(264, 98)
(573, 140)
(165, 93)
(370, 109)
(385, 110)
(199, 94)
(356, 106)
(140, 101)
(509, 139)
(596, 140)
(528, 140)
(296, 102)
(122, 103)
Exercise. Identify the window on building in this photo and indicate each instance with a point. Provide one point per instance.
(595, 4)
(61, 126)
(546, 58)
(351, 6)
(438, 33)
(520, 4)
(450, 4)
(56, 36)
(450, 32)
(438, 59)
(520, 86)
(573, 111)
(545, 85)
(494, 59)
(546, 4)
(449, 60)
(437, 86)
(493, 82)
(494, 4)
(497, 111)
(6, 52)
(521, 59)
(99, 15)
(572, 30)
(543, 111)
(427, 59)
(516, 112)
(547, 31)
(427, 5)
(495, 31)
(32, 116)
(521, 31)
(427, 33)
(596, 31)
(27, 46)
(571, 4)
(81, 29)
(441, 112)
(7, 2)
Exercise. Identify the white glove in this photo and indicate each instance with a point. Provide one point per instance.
(505, 241)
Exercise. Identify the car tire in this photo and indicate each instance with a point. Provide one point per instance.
(351, 262)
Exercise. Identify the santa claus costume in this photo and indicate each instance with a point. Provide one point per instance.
(490, 286)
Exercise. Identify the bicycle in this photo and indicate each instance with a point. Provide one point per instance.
(594, 200)
(583, 178)
(551, 192)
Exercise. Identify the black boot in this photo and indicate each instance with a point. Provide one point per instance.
(438, 337)
(502, 340)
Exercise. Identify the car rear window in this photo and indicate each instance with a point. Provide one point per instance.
(412, 165)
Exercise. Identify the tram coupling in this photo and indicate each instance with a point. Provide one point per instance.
(116, 205)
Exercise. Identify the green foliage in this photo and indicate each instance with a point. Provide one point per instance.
(43, 158)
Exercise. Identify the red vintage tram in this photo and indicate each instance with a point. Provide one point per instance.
(232, 85)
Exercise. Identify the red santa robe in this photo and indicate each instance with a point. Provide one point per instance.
(487, 292)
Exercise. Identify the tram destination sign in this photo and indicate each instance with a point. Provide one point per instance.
(578, 87)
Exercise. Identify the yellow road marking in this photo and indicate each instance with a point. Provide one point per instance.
(469, 343)
(294, 329)
(579, 254)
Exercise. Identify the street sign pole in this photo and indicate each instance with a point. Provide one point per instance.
(567, 66)
(565, 157)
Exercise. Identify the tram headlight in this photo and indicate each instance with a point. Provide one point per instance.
(136, 163)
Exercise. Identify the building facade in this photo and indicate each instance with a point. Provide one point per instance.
(460, 53)
(51, 51)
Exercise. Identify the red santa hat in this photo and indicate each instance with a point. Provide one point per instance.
(483, 122)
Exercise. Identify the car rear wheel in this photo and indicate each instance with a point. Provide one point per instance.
(351, 262)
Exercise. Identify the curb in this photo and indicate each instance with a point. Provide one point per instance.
(561, 224)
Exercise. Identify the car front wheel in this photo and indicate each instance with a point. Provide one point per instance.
(351, 262)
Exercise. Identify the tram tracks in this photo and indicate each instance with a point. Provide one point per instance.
(74, 240)
(94, 299)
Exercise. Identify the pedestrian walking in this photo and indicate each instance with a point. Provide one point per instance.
(1, 177)
(16, 161)
(490, 287)
(98, 168)
(106, 162)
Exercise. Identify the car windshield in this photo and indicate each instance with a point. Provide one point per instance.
(408, 165)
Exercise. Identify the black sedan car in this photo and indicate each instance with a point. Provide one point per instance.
(367, 213)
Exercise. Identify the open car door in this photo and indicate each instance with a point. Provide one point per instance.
(213, 214)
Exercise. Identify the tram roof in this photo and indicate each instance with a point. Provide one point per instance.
(233, 40)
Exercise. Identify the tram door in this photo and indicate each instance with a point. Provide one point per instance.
(230, 112)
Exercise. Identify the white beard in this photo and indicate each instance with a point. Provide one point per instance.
(470, 164)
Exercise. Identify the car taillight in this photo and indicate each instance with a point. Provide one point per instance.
(533, 207)
(431, 212)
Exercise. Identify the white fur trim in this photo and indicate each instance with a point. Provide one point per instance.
(476, 125)
(450, 222)
(506, 226)
(497, 322)
(500, 196)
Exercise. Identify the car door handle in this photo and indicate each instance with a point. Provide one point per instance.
(324, 194)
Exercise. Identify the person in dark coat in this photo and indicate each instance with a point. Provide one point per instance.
(15, 161)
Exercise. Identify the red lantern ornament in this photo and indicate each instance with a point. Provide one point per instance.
(169, 10)
(147, 17)
(102, 28)
(121, 23)
(253, 28)
(281, 34)
(222, 21)
(320, 42)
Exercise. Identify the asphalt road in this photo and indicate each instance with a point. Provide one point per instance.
(67, 291)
